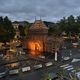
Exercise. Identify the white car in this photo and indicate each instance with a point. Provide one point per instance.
(15, 71)
(75, 44)
(38, 66)
(1, 55)
(66, 58)
(24, 69)
(75, 60)
(21, 52)
(2, 74)
(48, 64)
(43, 57)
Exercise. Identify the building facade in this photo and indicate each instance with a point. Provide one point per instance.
(36, 38)
(37, 41)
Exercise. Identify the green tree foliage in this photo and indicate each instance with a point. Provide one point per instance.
(21, 29)
(46, 76)
(70, 24)
(2, 32)
(6, 29)
(26, 28)
(1, 21)
(60, 73)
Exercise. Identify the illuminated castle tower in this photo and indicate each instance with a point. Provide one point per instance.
(17, 35)
(36, 38)
(16, 40)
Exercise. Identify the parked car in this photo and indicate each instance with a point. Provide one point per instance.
(43, 57)
(14, 71)
(2, 74)
(75, 60)
(38, 66)
(48, 64)
(21, 52)
(66, 58)
(25, 69)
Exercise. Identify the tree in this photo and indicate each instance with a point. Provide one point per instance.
(60, 73)
(2, 32)
(21, 29)
(6, 29)
(78, 24)
(26, 28)
(1, 21)
(70, 25)
(62, 24)
(46, 76)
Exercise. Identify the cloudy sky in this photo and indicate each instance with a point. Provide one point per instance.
(49, 10)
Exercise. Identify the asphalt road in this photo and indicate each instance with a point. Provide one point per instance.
(73, 53)
(37, 74)
(33, 75)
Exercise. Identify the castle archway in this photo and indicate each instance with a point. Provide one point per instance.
(35, 47)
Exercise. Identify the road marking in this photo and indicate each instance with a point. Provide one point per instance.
(68, 67)
(64, 65)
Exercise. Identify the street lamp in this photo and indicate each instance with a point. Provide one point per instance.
(55, 55)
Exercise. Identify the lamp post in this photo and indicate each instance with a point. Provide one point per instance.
(55, 44)
(55, 55)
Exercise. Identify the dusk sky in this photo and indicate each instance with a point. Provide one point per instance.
(49, 10)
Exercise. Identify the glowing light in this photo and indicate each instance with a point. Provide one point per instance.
(12, 65)
(35, 48)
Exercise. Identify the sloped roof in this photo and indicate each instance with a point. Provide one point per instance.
(38, 24)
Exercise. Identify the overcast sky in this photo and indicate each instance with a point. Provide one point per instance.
(49, 10)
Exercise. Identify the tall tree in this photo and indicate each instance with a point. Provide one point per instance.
(71, 24)
(6, 29)
(62, 24)
(21, 29)
(2, 32)
(78, 23)
(1, 21)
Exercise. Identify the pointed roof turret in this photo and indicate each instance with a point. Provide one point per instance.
(38, 24)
